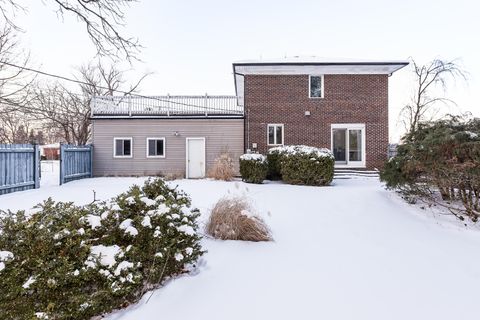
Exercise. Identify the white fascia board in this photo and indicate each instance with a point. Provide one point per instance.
(297, 69)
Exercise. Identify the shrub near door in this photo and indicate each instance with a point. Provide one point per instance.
(307, 165)
(253, 168)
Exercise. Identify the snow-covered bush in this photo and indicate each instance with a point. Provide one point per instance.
(253, 167)
(63, 261)
(222, 168)
(307, 165)
(234, 219)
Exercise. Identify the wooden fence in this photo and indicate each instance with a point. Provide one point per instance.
(75, 162)
(19, 167)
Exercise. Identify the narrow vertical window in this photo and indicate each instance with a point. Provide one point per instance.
(316, 86)
(275, 134)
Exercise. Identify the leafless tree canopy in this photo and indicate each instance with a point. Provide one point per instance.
(64, 112)
(424, 105)
(14, 82)
(103, 20)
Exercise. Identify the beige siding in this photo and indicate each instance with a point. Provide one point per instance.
(220, 135)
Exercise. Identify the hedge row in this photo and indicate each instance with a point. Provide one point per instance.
(293, 164)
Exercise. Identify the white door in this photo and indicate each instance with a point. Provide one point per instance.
(195, 158)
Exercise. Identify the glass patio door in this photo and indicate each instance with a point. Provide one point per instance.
(348, 145)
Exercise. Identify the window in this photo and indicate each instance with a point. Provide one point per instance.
(275, 134)
(316, 86)
(155, 147)
(122, 147)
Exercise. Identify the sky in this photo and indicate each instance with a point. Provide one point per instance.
(190, 45)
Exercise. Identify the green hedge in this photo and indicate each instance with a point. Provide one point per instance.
(307, 165)
(62, 261)
(253, 168)
(274, 165)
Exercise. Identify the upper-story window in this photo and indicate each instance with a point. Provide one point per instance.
(316, 86)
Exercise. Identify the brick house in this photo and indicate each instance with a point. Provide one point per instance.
(335, 104)
(341, 105)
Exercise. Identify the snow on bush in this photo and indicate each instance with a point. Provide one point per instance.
(233, 218)
(76, 262)
(253, 167)
(222, 168)
(305, 165)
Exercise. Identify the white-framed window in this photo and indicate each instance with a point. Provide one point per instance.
(155, 147)
(275, 134)
(122, 147)
(315, 86)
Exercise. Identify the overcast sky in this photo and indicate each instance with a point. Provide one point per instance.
(190, 45)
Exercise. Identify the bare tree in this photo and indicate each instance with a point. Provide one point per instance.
(67, 113)
(14, 82)
(103, 20)
(424, 103)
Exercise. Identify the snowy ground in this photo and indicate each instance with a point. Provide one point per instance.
(349, 251)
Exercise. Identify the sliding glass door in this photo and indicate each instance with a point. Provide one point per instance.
(348, 144)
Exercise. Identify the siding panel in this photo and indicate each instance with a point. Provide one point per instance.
(220, 135)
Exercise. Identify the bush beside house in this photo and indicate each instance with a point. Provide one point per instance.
(253, 167)
(63, 261)
(307, 165)
(293, 164)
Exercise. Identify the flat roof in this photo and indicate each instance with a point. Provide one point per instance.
(314, 60)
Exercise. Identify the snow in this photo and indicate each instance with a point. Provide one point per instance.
(29, 282)
(349, 251)
(94, 221)
(124, 265)
(301, 149)
(105, 254)
(149, 202)
(5, 255)
(188, 230)
(253, 156)
(146, 222)
(126, 225)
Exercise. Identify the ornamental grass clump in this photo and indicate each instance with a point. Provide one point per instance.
(222, 168)
(233, 218)
(253, 167)
(307, 165)
(62, 261)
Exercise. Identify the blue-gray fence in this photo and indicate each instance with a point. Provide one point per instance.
(19, 167)
(76, 162)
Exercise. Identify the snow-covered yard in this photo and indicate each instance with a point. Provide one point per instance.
(349, 251)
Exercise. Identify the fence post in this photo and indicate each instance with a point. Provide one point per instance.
(36, 164)
(91, 161)
(62, 171)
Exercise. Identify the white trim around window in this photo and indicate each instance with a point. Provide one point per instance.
(115, 147)
(322, 81)
(156, 151)
(275, 126)
(347, 127)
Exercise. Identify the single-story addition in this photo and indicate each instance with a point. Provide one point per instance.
(341, 105)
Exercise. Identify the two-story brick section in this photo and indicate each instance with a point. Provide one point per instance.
(340, 105)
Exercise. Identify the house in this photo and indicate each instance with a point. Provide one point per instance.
(342, 105)
(50, 151)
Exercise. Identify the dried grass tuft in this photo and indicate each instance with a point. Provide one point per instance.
(232, 218)
(222, 168)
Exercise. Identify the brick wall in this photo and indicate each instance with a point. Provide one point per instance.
(347, 99)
